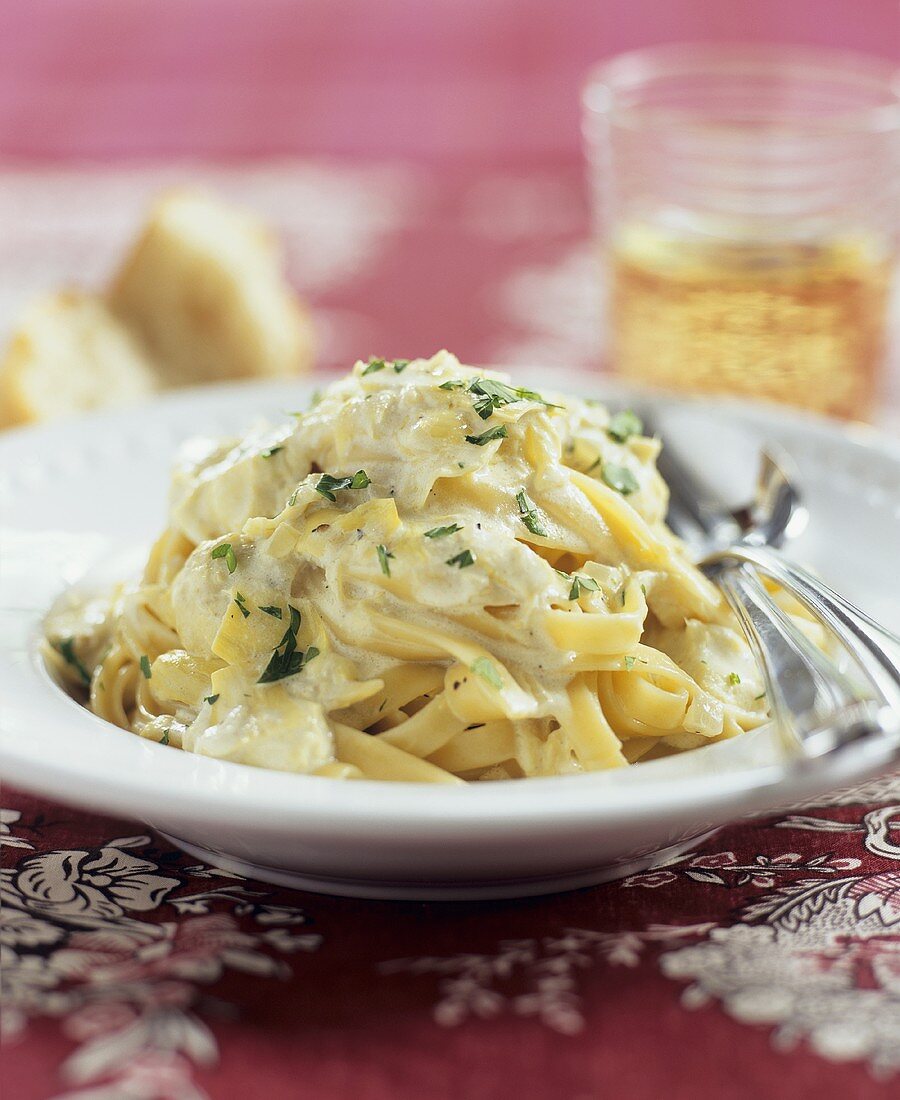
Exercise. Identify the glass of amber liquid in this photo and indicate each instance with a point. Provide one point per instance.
(747, 201)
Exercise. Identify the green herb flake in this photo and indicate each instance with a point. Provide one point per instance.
(619, 478)
(528, 513)
(373, 366)
(145, 666)
(629, 663)
(66, 649)
(733, 679)
(452, 384)
(492, 394)
(286, 660)
(328, 485)
(384, 556)
(593, 466)
(581, 582)
(499, 431)
(164, 740)
(241, 600)
(441, 532)
(623, 425)
(271, 451)
(400, 365)
(292, 499)
(225, 550)
(463, 559)
(211, 699)
(275, 612)
(482, 667)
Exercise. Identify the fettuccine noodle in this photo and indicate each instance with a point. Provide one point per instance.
(431, 575)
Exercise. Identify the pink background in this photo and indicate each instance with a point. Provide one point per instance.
(480, 245)
(386, 78)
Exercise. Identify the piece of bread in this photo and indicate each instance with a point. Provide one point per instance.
(68, 354)
(204, 289)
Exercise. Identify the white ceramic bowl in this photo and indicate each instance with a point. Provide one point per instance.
(83, 499)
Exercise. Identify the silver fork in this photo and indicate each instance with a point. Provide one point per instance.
(821, 707)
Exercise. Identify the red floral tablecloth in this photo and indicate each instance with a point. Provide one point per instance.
(766, 963)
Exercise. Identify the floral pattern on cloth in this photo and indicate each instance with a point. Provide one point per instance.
(74, 946)
(816, 952)
(120, 943)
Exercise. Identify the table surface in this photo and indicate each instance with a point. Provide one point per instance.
(765, 963)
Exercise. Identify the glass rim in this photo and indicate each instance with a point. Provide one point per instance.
(609, 81)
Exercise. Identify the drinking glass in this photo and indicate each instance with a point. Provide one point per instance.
(747, 204)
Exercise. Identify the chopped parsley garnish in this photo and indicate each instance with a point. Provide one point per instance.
(579, 582)
(241, 601)
(440, 532)
(226, 551)
(452, 384)
(624, 425)
(271, 451)
(328, 485)
(211, 699)
(733, 678)
(463, 559)
(528, 514)
(286, 659)
(593, 466)
(482, 667)
(383, 559)
(492, 395)
(164, 740)
(275, 612)
(66, 649)
(619, 478)
(756, 698)
(374, 365)
(629, 663)
(145, 666)
(400, 365)
(499, 431)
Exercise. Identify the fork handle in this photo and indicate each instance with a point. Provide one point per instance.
(811, 699)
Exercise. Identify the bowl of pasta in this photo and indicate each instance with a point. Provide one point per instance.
(424, 633)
